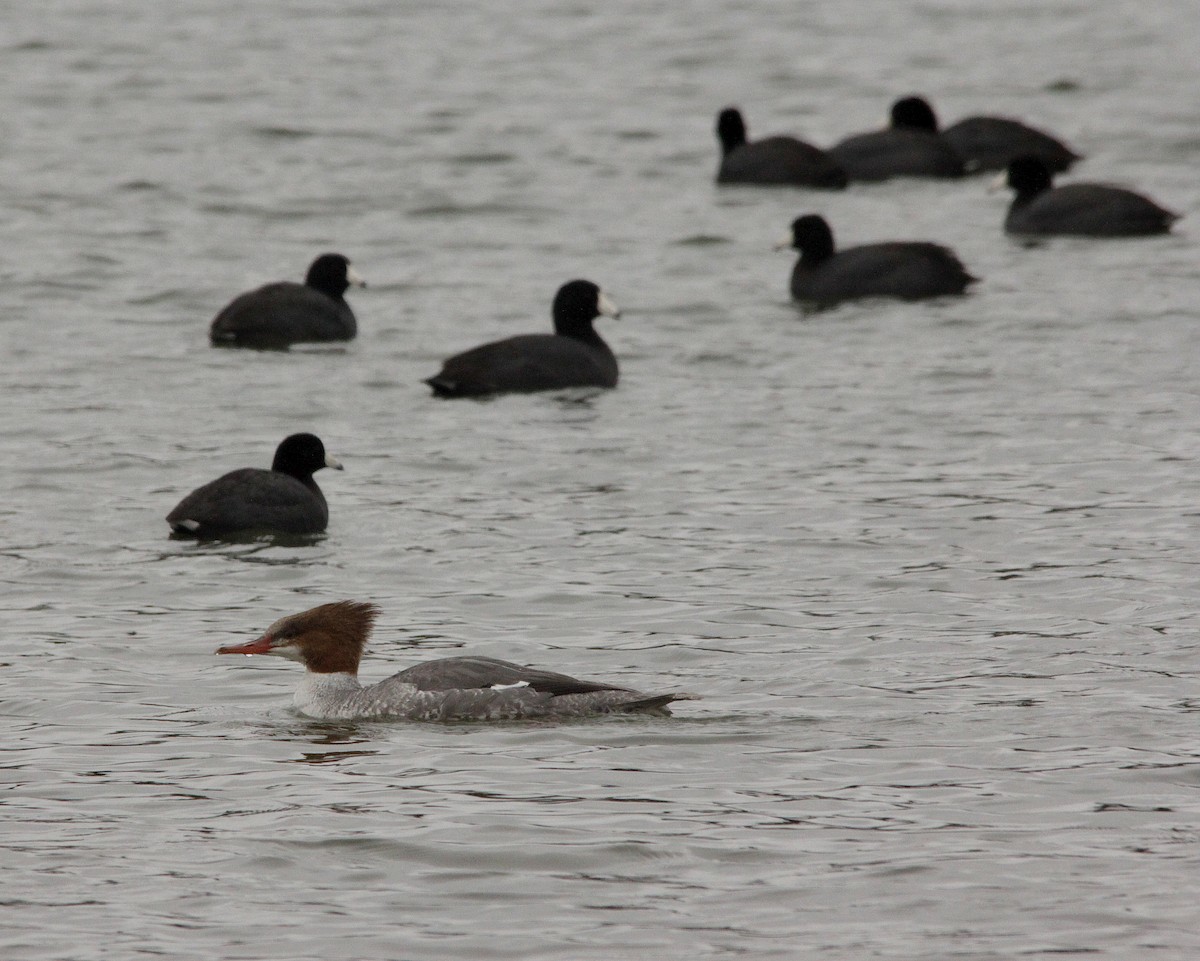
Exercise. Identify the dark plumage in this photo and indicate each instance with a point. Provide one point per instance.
(910, 147)
(284, 499)
(573, 356)
(772, 161)
(909, 270)
(284, 313)
(991, 143)
(1094, 210)
(475, 672)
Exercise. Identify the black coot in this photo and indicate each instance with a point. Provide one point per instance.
(772, 161)
(1093, 210)
(910, 147)
(573, 356)
(909, 270)
(284, 499)
(284, 313)
(991, 143)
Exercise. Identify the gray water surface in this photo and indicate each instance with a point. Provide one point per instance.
(931, 566)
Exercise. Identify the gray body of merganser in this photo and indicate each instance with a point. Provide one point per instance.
(329, 641)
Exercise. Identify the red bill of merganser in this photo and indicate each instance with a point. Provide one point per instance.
(329, 640)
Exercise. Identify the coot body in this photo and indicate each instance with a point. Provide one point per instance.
(991, 143)
(277, 315)
(284, 499)
(905, 270)
(910, 147)
(772, 161)
(573, 356)
(1084, 209)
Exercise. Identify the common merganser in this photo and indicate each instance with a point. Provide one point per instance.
(573, 356)
(328, 640)
(283, 313)
(1087, 209)
(284, 499)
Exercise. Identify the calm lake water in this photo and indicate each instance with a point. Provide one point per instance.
(932, 567)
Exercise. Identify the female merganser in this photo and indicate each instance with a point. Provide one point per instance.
(329, 640)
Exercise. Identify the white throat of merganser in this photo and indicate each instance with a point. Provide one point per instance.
(323, 695)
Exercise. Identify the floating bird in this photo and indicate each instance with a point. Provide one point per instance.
(991, 143)
(573, 356)
(329, 640)
(772, 161)
(283, 313)
(910, 147)
(909, 270)
(1088, 209)
(284, 499)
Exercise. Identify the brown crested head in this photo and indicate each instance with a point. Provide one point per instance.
(328, 639)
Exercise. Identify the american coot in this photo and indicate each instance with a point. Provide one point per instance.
(573, 356)
(1094, 210)
(909, 270)
(772, 161)
(284, 499)
(284, 313)
(990, 143)
(910, 147)
(329, 640)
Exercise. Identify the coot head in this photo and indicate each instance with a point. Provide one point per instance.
(914, 113)
(731, 128)
(812, 236)
(1028, 176)
(577, 304)
(332, 274)
(301, 455)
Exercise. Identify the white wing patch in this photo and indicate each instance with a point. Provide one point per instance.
(508, 687)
